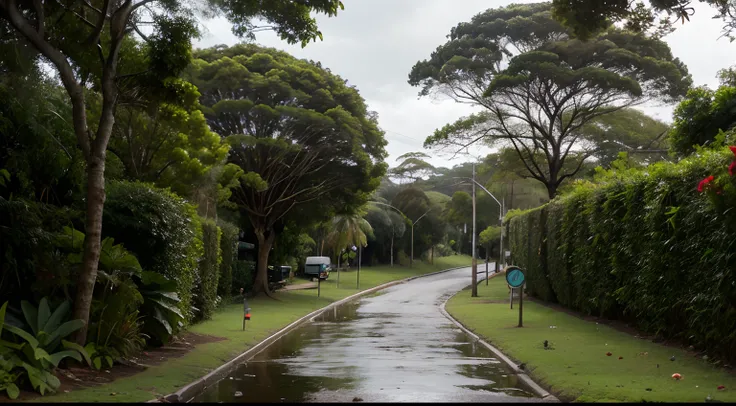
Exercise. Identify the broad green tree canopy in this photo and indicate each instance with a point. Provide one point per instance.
(538, 86)
(304, 139)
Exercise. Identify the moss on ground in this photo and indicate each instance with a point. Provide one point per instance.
(577, 368)
(268, 317)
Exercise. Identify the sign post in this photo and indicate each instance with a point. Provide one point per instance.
(516, 279)
(246, 309)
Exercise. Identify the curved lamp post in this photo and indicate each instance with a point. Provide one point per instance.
(413, 223)
(500, 218)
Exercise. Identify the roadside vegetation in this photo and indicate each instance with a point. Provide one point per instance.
(267, 317)
(576, 366)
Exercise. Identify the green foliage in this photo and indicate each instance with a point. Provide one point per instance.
(642, 246)
(161, 314)
(538, 86)
(489, 235)
(114, 322)
(243, 274)
(209, 270)
(291, 20)
(629, 131)
(229, 250)
(700, 118)
(161, 229)
(37, 349)
(292, 126)
(412, 167)
(99, 354)
(588, 17)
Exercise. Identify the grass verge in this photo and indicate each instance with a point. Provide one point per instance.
(268, 317)
(577, 368)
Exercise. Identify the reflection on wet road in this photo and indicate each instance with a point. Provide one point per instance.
(394, 347)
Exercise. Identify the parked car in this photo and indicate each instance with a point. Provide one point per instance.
(317, 267)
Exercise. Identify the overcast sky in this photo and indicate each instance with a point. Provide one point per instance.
(374, 44)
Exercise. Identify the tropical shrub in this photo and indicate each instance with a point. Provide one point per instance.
(642, 246)
(38, 347)
(209, 270)
(161, 229)
(160, 312)
(228, 248)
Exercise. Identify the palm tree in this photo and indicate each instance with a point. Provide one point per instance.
(349, 230)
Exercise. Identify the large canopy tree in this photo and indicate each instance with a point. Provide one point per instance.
(86, 40)
(304, 139)
(413, 167)
(538, 87)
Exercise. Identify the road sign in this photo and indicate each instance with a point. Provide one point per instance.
(515, 277)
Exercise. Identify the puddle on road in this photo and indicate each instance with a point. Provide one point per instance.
(347, 352)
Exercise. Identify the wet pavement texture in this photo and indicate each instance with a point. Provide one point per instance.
(393, 347)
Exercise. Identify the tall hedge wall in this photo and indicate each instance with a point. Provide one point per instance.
(161, 229)
(229, 249)
(642, 246)
(209, 269)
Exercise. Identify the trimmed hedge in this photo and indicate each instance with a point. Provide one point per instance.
(160, 228)
(209, 270)
(229, 249)
(642, 246)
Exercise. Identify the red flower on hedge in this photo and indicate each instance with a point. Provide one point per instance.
(703, 183)
(733, 149)
(732, 168)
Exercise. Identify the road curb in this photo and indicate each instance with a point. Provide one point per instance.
(185, 394)
(541, 392)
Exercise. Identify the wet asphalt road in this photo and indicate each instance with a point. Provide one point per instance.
(393, 347)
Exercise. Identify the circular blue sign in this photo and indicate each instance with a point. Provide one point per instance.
(515, 277)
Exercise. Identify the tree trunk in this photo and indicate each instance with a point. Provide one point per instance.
(431, 257)
(392, 250)
(264, 250)
(93, 236)
(551, 190)
(339, 254)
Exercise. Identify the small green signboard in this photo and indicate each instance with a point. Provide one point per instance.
(515, 277)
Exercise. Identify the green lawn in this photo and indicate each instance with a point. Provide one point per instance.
(268, 316)
(577, 368)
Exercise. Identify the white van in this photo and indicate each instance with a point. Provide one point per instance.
(317, 267)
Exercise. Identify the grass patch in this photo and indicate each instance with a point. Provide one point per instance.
(577, 369)
(268, 316)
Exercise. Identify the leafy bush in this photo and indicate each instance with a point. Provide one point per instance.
(228, 248)
(209, 270)
(642, 246)
(36, 353)
(161, 229)
(160, 310)
(442, 250)
(243, 276)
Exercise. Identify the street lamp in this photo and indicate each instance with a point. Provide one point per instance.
(500, 218)
(411, 260)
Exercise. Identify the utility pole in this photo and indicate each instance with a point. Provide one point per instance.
(475, 260)
(502, 254)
